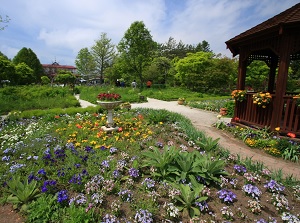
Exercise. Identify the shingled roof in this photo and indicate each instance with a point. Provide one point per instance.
(287, 18)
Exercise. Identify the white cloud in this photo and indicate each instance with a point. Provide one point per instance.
(60, 28)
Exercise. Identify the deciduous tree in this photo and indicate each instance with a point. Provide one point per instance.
(103, 52)
(137, 49)
(85, 62)
(7, 70)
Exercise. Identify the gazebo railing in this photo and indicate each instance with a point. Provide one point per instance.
(250, 114)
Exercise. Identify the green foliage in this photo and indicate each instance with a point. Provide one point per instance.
(210, 169)
(208, 144)
(35, 97)
(76, 214)
(160, 160)
(45, 209)
(65, 77)
(22, 192)
(137, 49)
(24, 74)
(103, 53)
(184, 167)
(187, 199)
(7, 70)
(156, 116)
(257, 75)
(230, 105)
(45, 80)
(27, 56)
(85, 62)
(192, 70)
(211, 104)
(291, 153)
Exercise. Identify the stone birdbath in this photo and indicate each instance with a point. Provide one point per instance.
(108, 101)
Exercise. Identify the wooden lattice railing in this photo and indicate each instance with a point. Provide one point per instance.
(250, 114)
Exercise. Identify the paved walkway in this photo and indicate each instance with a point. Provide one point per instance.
(203, 121)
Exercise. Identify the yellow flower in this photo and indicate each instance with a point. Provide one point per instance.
(277, 128)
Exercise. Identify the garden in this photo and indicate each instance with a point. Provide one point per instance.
(58, 165)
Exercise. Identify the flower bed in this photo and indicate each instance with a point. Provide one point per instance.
(140, 173)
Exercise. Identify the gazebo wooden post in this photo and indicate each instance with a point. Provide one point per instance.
(273, 66)
(282, 79)
(241, 72)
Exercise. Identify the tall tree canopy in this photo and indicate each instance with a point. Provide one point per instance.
(192, 70)
(137, 49)
(27, 56)
(7, 70)
(103, 52)
(85, 62)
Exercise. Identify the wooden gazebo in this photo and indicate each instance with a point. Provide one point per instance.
(277, 42)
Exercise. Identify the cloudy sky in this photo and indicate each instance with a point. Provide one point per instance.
(56, 30)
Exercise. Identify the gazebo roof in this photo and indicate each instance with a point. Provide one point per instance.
(289, 18)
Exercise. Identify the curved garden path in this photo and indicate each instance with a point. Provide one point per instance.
(203, 121)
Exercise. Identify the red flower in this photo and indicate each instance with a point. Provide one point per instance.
(292, 135)
(56, 116)
(120, 129)
(236, 119)
(78, 126)
(108, 97)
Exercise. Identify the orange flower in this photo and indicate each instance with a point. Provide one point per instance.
(292, 135)
(78, 126)
(56, 116)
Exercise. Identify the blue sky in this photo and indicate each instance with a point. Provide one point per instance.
(58, 29)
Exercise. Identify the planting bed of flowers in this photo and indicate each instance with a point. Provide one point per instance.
(155, 168)
(263, 139)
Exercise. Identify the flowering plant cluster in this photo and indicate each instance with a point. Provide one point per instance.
(274, 187)
(252, 191)
(109, 97)
(262, 99)
(226, 196)
(238, 95)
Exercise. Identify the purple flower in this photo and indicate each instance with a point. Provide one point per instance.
(113, 150)
(77, 165)
(116, 174)
(143, 216)
(133, 172)
(62, 196)
(88, 149)
(273, 186)
(226, 196)
(240, 169)
(126, 195)
(149, 183)
(252, 191)
(103, 148)
(105, 163)
(6, 158)
(203, 206)
(48, 184)
(42, 172)
(76, 179)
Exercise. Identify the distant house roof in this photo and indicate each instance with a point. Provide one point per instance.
(289, 18)
(56, 65)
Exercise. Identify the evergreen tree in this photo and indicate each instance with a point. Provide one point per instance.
(27, 56)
